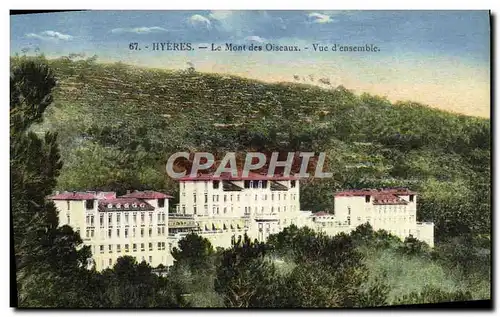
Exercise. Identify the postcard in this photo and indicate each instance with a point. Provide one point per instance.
(249, 159)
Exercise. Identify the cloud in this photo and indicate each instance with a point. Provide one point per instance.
(139, 30)
(199, 20)
(255, 38)
(50, 36)
(320, 18)
(220, 14)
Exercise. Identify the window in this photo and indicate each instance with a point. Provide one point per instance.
(159, 230)
(159, 245)
(101, 221)
(67, 204)
(109, 233)
(247, 184)
(260, 184)
(89, 204)
(150, 232)
(101, 249)
(134, 247)
(126, 233)
(161, 202)
(238, 197)
(225, 198)
(142, 232)
(118, 219)
(349, 221)
(183, 209)
(194, 210)
(68, 218)
(272, 196)
(215, 184)
(163, 216)
(92, 221)
(150, 218)
(110, 219)
(118, 205)
(126, 206)
(367, 198)
(118, 248)
(292, 183)
(133, 232)
(150, 259)
(142, 247)
(348, 210)
(256, 198)
(150, 246)
(225, 209)
(134, 217)
(110, 262)
(118, 233)
(142, 217)
(126, 218)
(206, 198)
(194, 198)
(110, 248)
(411, 197)
(126, 247)
(162, 231)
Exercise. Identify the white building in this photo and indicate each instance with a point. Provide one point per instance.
(135, 224)
(225, 206)
(222, 208)
(392, 209)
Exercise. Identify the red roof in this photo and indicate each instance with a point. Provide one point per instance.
(388, 199)
(238, 177)
(73, 196)
(146, 195)
(373, 192)
(120, 202)
(321, 214)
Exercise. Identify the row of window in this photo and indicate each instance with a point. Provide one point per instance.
(89, 204)
(89, 219)
(247, 184)
(215, 198)
(127, 233)
(216, 210)
(118, 247)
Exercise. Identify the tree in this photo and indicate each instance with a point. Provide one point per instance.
(244, 275)
(47, 258)
(431, 294)
(194, 251)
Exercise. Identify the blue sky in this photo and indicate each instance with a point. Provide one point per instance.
(455, 33)
(427, 56)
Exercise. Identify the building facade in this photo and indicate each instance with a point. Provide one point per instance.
(135, 224)
(228, 205)
(390, 209)
(223, 208)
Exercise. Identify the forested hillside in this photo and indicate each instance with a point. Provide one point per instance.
(116, 126)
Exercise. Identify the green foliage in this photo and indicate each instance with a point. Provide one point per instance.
(244, 276)
(194, 251)
(115, 125)
(434, 295)
(47, 258)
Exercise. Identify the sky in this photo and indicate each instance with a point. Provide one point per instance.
(439, 58)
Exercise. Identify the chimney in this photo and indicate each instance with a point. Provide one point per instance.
(128, 191)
